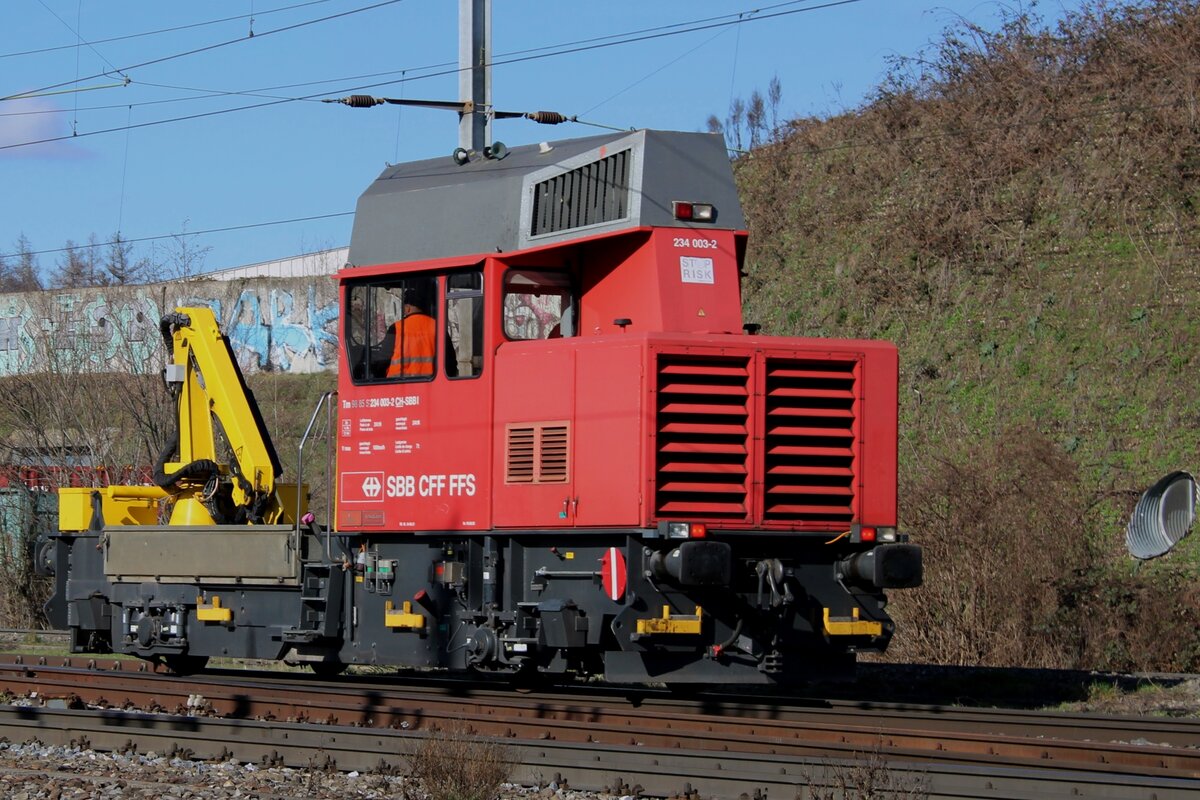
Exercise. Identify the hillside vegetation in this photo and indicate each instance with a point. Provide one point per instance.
(1017, 210)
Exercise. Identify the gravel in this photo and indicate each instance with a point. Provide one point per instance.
(35, 771)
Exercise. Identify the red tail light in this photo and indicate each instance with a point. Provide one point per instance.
(867, 534)
(698, 530)
(696, 212)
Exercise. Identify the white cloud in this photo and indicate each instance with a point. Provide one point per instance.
(34, 119)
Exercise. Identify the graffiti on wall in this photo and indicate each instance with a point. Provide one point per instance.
(271, 324)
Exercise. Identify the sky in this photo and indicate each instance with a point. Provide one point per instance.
(95, 93)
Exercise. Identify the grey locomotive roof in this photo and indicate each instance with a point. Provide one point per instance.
(438, 209)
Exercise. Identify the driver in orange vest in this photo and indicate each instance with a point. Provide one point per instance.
(416, 338)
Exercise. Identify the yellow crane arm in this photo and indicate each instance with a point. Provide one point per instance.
(204, 375)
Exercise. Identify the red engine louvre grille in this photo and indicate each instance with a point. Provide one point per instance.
(811, 441)
(702, 431)
(537, 453)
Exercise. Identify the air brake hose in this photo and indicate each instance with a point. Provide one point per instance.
(166, 326)
(733, 637)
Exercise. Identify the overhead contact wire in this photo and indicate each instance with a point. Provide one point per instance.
(189, 26)
(502, 62)
(225, 229)
(209, 47)
(259, 92)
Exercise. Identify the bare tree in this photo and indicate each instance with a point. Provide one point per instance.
(774, 97)
(183, 258)
(96, 263)
(756, 118)
(735, 122)
(20, 273)
(121, 266)
(752, 123)
(79, 265)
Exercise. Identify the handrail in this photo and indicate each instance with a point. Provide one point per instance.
(326, 401)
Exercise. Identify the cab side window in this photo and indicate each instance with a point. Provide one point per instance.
(538, 304)
(464, 325)
(391, 329)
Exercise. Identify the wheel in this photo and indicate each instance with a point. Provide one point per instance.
(44, 560)
(185, 664)
(327, 669)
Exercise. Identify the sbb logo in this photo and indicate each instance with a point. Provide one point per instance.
(362, 487)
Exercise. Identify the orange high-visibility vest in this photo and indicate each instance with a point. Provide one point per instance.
(416, 340)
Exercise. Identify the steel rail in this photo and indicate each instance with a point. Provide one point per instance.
(586, 721)
(1170, 731)
(587, 766)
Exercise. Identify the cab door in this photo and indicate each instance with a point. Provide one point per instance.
(414, 410)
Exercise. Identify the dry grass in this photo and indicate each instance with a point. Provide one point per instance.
(1013, 580)
(868, 777)
(1000, 526)
(989, 151)
(1147, 698)
(455, 763)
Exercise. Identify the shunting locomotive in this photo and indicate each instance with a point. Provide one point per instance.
(554, 448)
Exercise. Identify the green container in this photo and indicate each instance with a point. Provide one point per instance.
(26, 513)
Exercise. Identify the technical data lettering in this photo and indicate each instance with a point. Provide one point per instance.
(396, 401)
(455, 484)
(695, 270)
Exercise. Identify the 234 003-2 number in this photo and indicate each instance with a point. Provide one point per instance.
(698, 244)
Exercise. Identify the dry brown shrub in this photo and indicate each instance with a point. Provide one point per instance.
(455, 763)
(989, 152)
(869, 777)
(1144, 621)
(65, 426)
(1002, 527)
(1013, 579)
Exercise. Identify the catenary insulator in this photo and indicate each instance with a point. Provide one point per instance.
(547, 117)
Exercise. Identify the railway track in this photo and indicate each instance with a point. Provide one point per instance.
(594, 738)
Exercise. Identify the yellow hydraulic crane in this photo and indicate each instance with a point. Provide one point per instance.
(221, 468)
(212, 398)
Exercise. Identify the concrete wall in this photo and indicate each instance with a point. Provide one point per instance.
(273, 324)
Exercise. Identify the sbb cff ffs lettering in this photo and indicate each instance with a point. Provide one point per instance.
(438, 485)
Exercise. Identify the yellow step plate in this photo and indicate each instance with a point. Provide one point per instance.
(212, 612)
(851, 627)
(402, 619)
(686, 623)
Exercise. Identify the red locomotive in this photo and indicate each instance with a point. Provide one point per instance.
(557, 447)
